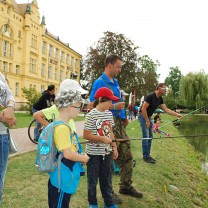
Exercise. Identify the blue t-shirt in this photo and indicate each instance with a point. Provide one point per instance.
(104, 81)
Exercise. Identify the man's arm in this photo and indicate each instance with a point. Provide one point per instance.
(168, 111)
(144, 113)
(40, 117)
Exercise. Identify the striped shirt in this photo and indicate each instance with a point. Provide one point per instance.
(99, 123)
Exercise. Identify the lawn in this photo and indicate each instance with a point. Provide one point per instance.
(178, 165)
(24, 119)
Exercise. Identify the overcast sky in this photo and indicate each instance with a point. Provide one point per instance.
(174, 32)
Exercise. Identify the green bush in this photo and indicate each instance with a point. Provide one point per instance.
(32, 97)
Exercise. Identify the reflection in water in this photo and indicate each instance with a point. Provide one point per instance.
(197, 125)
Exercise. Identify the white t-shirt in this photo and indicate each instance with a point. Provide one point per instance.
(99, 123)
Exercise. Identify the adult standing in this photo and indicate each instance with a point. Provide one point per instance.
(151, 103)
(7, 117)
(46, 100)
(113, 64)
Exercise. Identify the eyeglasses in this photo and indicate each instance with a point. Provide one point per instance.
(79, 108)
(165, 88)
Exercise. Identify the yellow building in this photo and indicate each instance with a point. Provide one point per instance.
(30, 56)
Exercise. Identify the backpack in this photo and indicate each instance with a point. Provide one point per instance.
(61, 176)
(47, 163)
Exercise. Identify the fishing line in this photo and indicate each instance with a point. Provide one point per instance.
(182, 117)
(168, 137)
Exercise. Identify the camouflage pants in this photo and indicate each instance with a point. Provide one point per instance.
(124, 160)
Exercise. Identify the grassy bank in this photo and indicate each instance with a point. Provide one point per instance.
(177, 165)
(24, 119)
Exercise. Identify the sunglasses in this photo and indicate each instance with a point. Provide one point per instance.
(165, 88)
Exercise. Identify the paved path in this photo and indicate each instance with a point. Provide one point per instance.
(25, 145)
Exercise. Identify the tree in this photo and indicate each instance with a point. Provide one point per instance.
(131, 77)
(32, 97)
(173, 80)
(194, 89)
(148, 73)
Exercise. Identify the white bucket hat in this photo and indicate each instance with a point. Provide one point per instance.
(70, 84)
(70, 93)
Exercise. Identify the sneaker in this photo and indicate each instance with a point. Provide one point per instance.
(112, 206)
(149, 160)
(132, 192)
(152, 158)
(116, 198)
(93, 206)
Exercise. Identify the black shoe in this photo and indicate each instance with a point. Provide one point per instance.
(149, 160)
(132, 192)
(152, 158)
(116, 198)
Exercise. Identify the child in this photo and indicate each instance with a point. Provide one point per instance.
(69, 103)
(98, 129)
(157, 122)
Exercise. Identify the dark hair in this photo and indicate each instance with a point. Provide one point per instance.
(51, 87)
(111, 59)
(102, 100)
(160, 85)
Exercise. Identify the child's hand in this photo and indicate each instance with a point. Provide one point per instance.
(106, 140)
(85, 158)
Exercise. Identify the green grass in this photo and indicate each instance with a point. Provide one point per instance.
(177, 164)
(24, 119)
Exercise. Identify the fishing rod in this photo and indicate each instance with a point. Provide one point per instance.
(182, 117)
(168, 137)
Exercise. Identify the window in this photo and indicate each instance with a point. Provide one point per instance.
(62, 56)
(42, 70)
(16, 89)
(56, 74)
(5, 49)
(61, 76)
(72, 61)
(32, 65)
(76, 63)
(67, 59)
(10, 68)
(42, 88)
(4, 65)
(50, 50)
(56, 53)
(49, 72)
(10, 50)
(17, 69)
(34, 41)
(43, 47)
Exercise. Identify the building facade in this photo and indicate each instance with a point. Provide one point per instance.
(30, 56)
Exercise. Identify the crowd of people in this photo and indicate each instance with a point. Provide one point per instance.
(106, 120)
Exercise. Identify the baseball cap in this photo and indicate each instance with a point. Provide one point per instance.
(105, 92)
(70, 84)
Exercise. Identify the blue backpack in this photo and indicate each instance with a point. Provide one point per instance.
(64, 174)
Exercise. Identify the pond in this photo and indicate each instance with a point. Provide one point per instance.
(197, 125)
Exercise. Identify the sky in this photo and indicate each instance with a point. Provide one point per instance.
(174, 32)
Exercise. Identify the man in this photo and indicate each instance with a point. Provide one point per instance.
(45, 101)
(49, 113)
(7, 117)
(151, 103)
(113, 64)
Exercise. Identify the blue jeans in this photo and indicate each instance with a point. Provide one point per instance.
(37, 128)
(146, 133)
(4, 153)
(99, 167)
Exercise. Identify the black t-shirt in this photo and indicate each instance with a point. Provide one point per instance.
(154, 102)
(45, 101)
